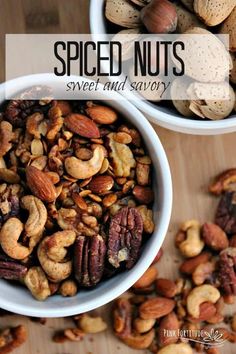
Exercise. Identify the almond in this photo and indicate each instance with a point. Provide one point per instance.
(101, 184)
(144, 195)
(207, 310)
(82, 125)
(122, 13)
(168, 323)
(40, 184)
(191, 264)
(156, 308)
(214, 237)
(147, 279)
(102, 114)
(229, 27)
(166, 287)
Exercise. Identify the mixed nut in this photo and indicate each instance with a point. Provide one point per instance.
(75, 195)
(195, 301)
(185, 17)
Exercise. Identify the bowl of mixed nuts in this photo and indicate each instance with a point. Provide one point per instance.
(194, 115)
(85, 200)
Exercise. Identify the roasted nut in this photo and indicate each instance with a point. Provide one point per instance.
(89, 265)
(179, 348)
(193, 244)
(143, 326)
(40, 184)
(9, 236)
(9, 176)
(189, 265)
(225, 182)
(101, 184)
(85, 169)
(90, 324)
(57, 243)
(144, 195)
(12, 338)
(166, 287)
(225, 213)
(102, 114)
(147, 217)
(68, 288)
(233, 323)
(139, 341)
(156, 308)
(11, 270)
(122, 138)
(146, 279)
(168, 323)
(56, 271)
(214, 237)
(125, 237)
(227, 271)
(200, 294)
(158, 256)
(6, 136)
(203, 272)
(82, 125)
(69, 334)
(55, 122)
(37, 282)
(121, 156)
(122, 317)
(142, 173)
(32, 124)
(206, 311)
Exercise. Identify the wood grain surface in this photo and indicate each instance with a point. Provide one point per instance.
(193, 161)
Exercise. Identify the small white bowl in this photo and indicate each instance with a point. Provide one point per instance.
(167, 118)
(19, 300)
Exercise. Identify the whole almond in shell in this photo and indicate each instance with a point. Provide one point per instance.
(82, 125)
(213, 62)
(40, 184)
(102, 114)
(233, 71)
(213, 12)
(229, 27)
(122, 13)
(156, 308)
(188, 4)
(186, 19)
(101, 184)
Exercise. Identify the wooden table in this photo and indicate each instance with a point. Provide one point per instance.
(193, 161)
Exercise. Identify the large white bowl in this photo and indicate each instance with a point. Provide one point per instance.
(19, 300)
(167, 118)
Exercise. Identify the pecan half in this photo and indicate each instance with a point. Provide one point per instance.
(226, 181)
(18, 110)
(125, 237)
(89, 260)
(227, 270)
(11, 270)
(226, 213)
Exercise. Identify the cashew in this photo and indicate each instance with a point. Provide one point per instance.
(37, 282)
(193, 244)
(37, 218)
(9, 236)
(143, 326)
(139, 341)
(84, 169)
(56, 271)
(180, 348)
(57, 243)
(200, 294)
(90, 324)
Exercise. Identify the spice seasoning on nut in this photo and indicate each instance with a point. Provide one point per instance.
(75, 195)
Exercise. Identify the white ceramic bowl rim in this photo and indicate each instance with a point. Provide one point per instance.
(57, 306)
(161, 115)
